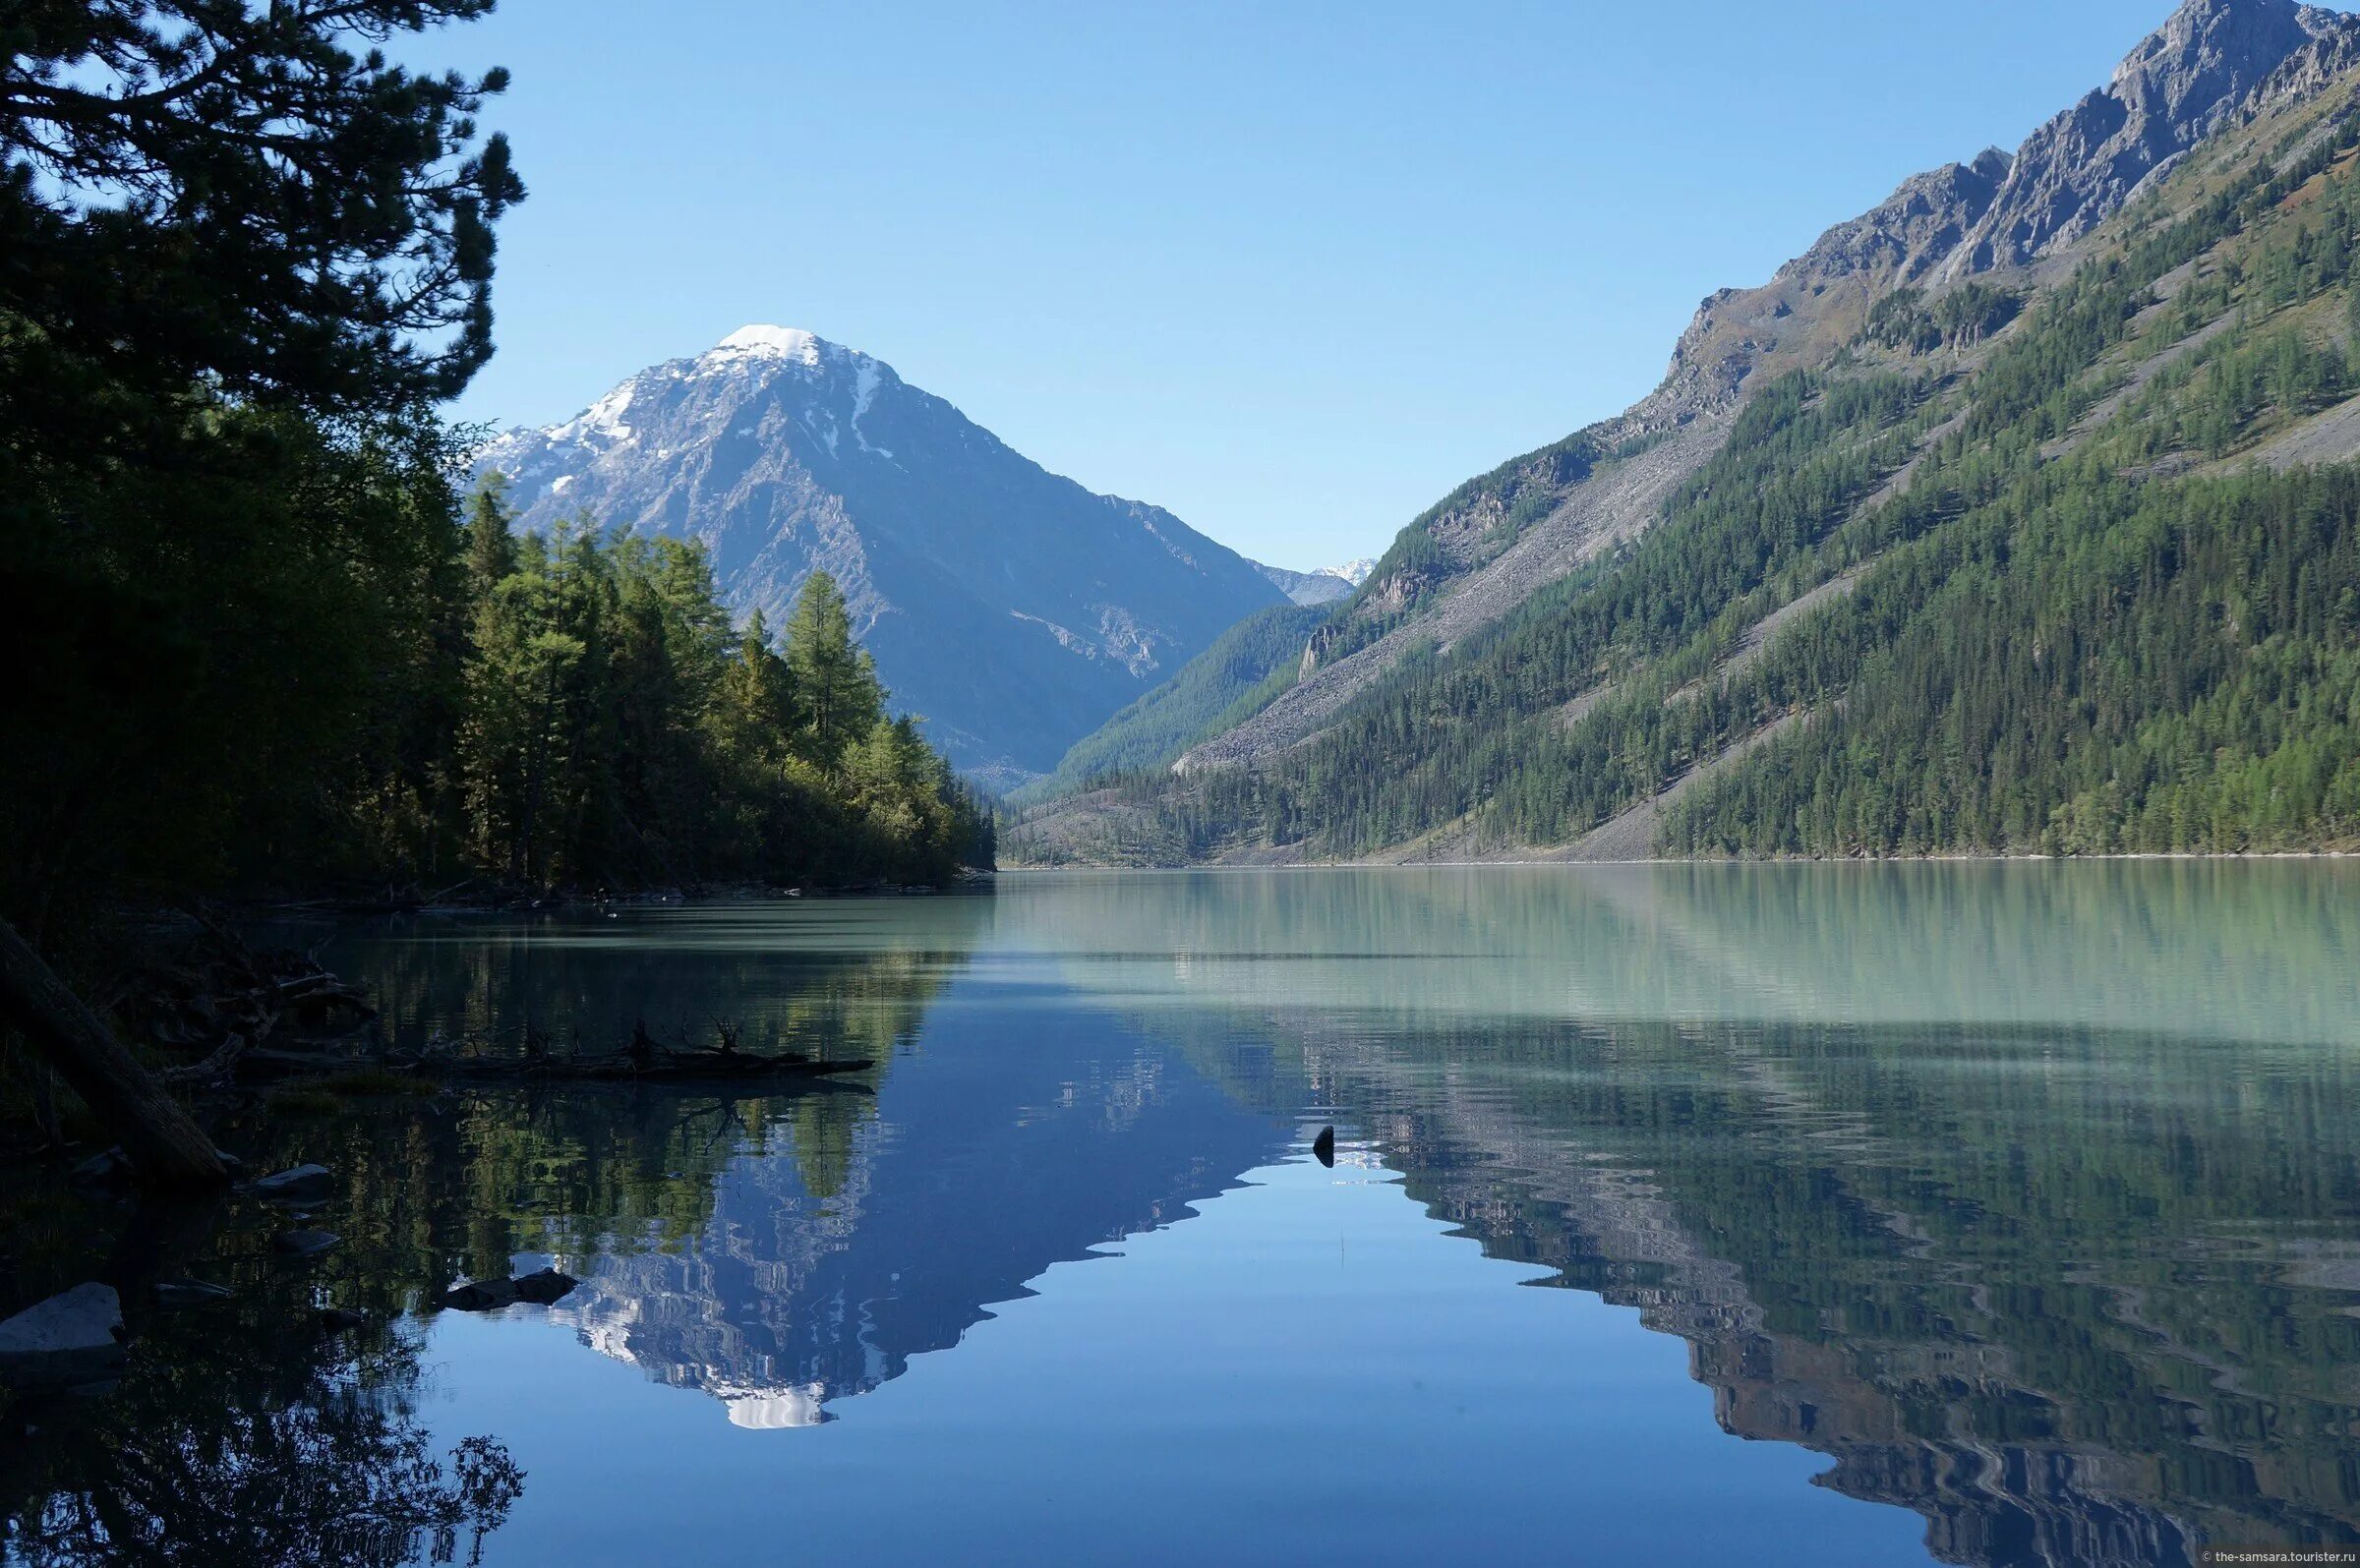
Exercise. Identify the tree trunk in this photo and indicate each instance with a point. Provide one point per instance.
(165, 1145)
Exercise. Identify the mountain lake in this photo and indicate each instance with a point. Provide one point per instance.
(1990, 1214)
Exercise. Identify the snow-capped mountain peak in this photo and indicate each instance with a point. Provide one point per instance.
(753, 355)
(770, 342)
(760, 347)
(975, 577)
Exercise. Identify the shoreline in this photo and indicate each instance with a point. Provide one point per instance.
(1545, 862)
(511, 902)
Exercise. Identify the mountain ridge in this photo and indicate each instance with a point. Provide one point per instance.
(2215, 60)
(1936, 284)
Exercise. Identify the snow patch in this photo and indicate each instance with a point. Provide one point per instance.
(1065, 639)
(783, 345)
(601, 422)
(869, 376)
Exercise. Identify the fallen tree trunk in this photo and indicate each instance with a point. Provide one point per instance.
(165, 1145)
(670, 1067)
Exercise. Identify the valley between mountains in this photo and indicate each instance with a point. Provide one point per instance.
(2015, 516)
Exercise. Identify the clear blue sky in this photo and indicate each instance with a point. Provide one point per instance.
(1293, 270)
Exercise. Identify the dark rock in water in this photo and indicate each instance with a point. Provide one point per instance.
(112, 1168)
(540, 1288)
(190, 1293)
(305, 1243)
(341, 1319)
(73, 1337)
(545, 1287)
(481, 1296)
(302, 1184)
(1325, 1146)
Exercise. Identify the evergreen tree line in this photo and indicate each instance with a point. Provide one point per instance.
(2114, 669)
(1958, 319)
(612, 727)
(277, 652)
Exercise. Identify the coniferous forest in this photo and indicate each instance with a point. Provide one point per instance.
(2033, 592)
(259, 636)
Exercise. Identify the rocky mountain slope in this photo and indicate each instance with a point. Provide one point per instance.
(1012, 607)
(1875, 390)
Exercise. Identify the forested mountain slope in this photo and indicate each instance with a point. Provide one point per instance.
(1228, 681)
(1990, 524)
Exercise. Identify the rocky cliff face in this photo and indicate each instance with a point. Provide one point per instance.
(2214, 64)
(1012, 607)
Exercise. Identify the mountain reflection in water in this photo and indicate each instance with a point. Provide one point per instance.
(2028, 1195)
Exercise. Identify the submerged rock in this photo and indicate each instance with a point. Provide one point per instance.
(481, 1296)
(72, 1338)
(190, 1293)
(302, 1184)
(109, 1168)
(545, 1287)
(305, 1243)
(540, 1288)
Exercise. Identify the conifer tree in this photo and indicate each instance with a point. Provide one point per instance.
(835, 680)
(491, 545)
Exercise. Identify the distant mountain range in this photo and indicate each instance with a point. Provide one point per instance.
(1956, 534)
(1012, 608)
(1322, 587)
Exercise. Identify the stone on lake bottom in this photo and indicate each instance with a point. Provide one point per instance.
(74, 1337)
(305, 1243)
(301, 1183)
(104, 1168)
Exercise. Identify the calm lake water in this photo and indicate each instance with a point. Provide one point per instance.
(1844, 1215)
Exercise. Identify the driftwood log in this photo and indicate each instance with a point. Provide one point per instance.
(225, 997)
(626, 1066)
(645, 1060)
(165, 1145)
